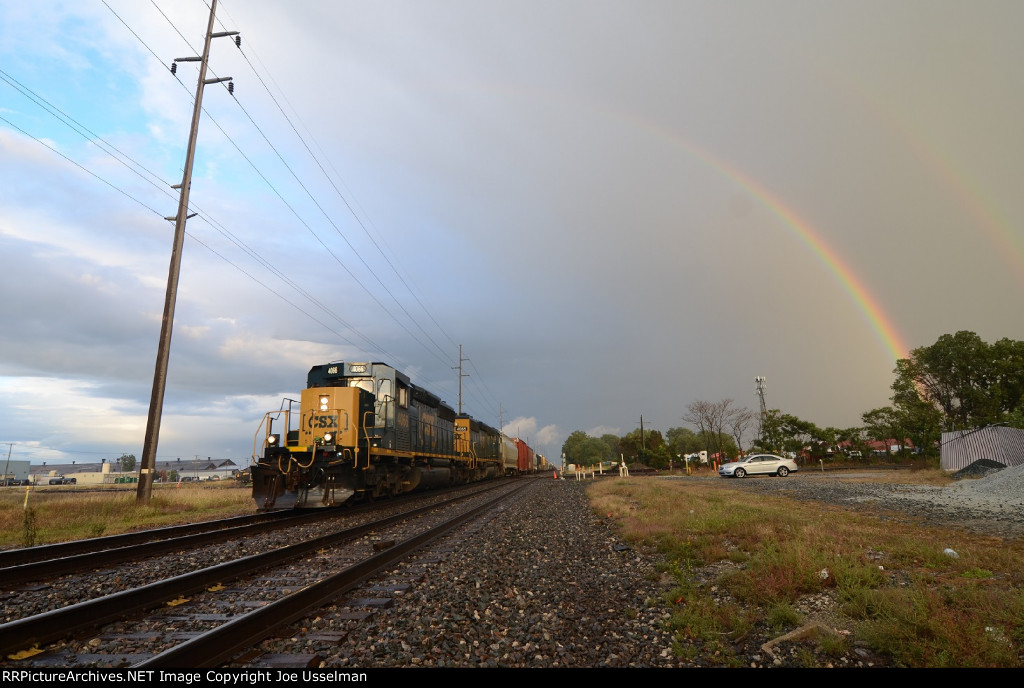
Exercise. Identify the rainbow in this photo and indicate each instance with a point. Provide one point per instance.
(882, 325)
(1008, 243)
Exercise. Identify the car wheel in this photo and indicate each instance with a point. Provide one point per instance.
(740, 473)
(782, 472)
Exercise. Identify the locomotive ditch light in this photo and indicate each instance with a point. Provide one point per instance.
(272, 439)
(327, 438)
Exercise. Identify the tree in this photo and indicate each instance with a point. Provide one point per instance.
(916, 421)
(612, 442)
(682, 441)
(583, 450)
(739, 422)
(649, 449)
(714, 421)
(772, 437)
(883, 424)
(127, 462)
(784, 432)
(970, 383)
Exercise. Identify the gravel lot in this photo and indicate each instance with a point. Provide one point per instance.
(992, 505)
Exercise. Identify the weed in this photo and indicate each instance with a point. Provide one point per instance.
(685, 651)
(976, 573)
(29, 532)
(832, 645)
(806, 658)
(782, 615)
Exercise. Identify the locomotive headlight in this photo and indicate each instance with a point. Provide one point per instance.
(323, 403)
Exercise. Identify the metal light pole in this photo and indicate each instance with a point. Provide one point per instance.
(147, 465)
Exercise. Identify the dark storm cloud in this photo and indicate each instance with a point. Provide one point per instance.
(590, 197)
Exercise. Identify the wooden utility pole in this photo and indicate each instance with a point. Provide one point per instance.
(147, 466)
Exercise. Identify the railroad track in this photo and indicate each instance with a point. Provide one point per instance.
(203, 622)
(46, 562)
(49, 561)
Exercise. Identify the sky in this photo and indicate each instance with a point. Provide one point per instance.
(615, 208)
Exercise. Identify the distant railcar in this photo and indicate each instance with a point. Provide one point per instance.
(509, 455)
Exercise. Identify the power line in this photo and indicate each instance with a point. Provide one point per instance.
(326, 215)
(161, 186)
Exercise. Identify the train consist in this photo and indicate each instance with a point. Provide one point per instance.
(363, 430)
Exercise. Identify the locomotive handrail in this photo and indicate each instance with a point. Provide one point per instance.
(366, 435)
(255, 437)
(267, 433)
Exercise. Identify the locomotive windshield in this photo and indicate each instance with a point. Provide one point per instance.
(362, 383)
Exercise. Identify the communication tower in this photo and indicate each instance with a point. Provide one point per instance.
(760, 381)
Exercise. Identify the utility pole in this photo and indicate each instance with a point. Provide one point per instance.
(147, 466)
(7, 466)
(461, 375)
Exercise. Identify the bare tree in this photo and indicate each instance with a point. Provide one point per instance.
(709, 418)
(739, 421)
(713, 418)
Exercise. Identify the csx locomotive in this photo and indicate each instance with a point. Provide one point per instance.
(362, 430)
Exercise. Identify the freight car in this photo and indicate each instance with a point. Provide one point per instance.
(542, 463)
(363, 430)
(525, 457)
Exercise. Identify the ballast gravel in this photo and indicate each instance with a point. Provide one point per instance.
(545, 583)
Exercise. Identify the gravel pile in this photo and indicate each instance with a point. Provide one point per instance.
(1005, 483)
(978, 469)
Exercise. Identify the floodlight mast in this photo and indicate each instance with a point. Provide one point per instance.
(147, 466)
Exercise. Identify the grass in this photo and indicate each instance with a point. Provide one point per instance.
(895, 590)
(72, 514)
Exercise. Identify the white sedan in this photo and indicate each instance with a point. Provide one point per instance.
(755, 464)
